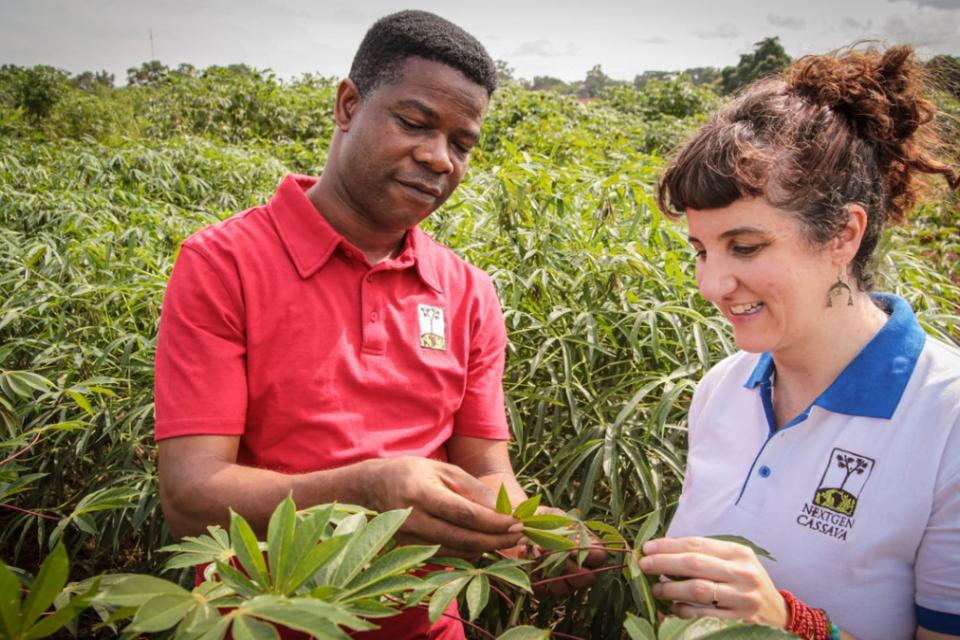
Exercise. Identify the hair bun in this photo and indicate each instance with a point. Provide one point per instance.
(880, 94)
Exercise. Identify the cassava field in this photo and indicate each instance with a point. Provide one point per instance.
(100, 185)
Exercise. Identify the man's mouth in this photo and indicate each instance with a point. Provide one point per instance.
(745, 309)
(422, 187)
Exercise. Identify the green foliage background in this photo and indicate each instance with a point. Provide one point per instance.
(99, 186)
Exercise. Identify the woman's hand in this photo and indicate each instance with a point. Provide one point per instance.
(714, 578)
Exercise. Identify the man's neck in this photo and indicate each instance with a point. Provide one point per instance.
(376, 244)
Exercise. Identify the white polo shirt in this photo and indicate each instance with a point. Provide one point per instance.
(858, 498)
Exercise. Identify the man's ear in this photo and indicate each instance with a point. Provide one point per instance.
(848, 238)
(347, 104)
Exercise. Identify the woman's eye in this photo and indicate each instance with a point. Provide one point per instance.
(746, 249)
(700, 254)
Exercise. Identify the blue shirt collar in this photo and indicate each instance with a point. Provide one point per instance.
(874, 381)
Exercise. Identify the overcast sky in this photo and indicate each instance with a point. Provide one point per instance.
(539, 37)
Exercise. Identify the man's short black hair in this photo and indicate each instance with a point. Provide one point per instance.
(398, 36)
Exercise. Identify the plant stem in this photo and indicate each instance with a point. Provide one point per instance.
(612, 567)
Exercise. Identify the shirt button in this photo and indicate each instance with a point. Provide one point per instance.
(764, 471)
(373, 316)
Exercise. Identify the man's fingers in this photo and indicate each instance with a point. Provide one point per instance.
(459, 509)
(466, 542)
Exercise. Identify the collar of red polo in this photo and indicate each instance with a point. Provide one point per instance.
(310, 240)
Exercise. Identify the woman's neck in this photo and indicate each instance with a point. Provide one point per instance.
(808, 369)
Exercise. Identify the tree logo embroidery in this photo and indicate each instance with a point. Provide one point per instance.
(842, 481)
(432, 327)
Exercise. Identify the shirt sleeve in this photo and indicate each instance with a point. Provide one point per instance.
(482, 413)
(200, 383)
(938, 558)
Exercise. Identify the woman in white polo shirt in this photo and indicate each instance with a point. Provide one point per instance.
(832, 439)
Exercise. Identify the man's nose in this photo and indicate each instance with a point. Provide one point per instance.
(434, 152)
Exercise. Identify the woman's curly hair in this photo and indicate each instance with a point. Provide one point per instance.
(832, 130)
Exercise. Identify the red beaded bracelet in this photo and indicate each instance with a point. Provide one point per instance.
(805, 621)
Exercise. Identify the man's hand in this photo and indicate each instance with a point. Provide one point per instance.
(450, 507)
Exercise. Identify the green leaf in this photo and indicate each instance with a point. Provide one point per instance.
(527, 508)
(367, 543)
(638, 628)
(236, 580)
(391, 563)
(247, 628)
(390, 585)
(161, 612)
(280, 537)
(248, 550)
(50, 624)
(217, 631)
(648, 529)
(305, 614)
(525, 632)
(640, 587)
(759, 551)
(503, 500)
(511, 574)
(9, 602)
(548, 521)
(740, 631)
(548, 540)
(133, 590)
(443, 596)
(478, 594)
(314, 561)
(45, 587)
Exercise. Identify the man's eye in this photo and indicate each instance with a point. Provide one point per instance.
(409, 124)
(462, 149)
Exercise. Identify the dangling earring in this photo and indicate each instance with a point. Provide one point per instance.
(839, 287)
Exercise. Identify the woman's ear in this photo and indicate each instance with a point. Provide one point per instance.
(847, 241)
(347, 104)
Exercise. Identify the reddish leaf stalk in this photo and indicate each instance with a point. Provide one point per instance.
(33, 443)
(7, 505)
(612, 567)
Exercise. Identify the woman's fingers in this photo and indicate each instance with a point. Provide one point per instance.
(687, 565)
(707, 546)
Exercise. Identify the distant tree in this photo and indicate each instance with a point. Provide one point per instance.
(89, 81)
(548, 83)
(152, 72)
(594, 83)
(504, 72)
(640, 80)
(945, 72)
(703, 75)
(768, 57)
(39, 89)
(185, 70)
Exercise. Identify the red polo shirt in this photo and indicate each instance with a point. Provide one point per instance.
(276, 329)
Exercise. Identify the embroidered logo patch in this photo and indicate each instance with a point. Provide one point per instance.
(835, 500)
(842, 481)
(432, 327)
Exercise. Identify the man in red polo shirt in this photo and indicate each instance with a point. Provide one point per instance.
(323, 344)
